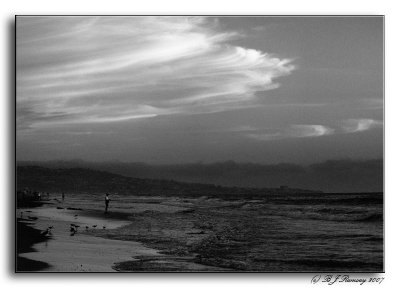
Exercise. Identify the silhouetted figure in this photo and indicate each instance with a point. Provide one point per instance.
(107, 202)
(73, 229)
(63, 196)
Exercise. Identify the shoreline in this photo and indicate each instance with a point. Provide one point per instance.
(88, 251)
(206, 235)
(78, 252)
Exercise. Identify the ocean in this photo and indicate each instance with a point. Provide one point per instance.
(297, 232)
(310, 232)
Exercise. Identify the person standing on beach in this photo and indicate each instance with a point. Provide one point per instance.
(63, 196)
(107, 201)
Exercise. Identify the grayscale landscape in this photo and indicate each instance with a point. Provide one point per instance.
(199, 144)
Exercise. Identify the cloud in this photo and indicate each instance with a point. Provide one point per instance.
(294, 131)
(107, 69)
(243, 128)
(372, 103)
(310, 130)
(259, 28)
(304, 131)
(359, 125)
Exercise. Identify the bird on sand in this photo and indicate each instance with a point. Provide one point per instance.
(46, 232)
(94, 226)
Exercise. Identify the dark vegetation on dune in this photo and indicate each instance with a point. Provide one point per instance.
(75, 180)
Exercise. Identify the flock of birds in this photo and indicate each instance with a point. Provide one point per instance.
(73, 229)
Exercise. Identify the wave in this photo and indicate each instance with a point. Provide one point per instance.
(371, 218)
(351, 216)
(332, 264)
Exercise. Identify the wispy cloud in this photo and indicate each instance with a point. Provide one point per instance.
(294, 131)
(243, 128)
(372, 103)
(303, 131)
(310, 130)
(105, 69)
(359, 125)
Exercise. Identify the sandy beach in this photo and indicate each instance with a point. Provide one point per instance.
(80, 252)
(205, 234)
(65, 251)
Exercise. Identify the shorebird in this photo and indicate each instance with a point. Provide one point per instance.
(94, 226)
(87, 228)
(47, 232)
(104, 227)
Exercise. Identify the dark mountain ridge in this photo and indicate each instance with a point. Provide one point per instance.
(340, 176)
(78, 180)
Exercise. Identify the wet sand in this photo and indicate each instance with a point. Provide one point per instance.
(79, 252)
(64, 251)
(212, 234)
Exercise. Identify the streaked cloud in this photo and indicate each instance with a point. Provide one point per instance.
(294, 131)
(372, 103)
(310, 130)
(243, 128)
(73, 70)
(302, 131)
(359, 125)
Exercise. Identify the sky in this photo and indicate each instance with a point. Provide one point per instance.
(199, 89)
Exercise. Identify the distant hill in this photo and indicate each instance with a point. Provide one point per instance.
(77, 180)
(330, 176)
